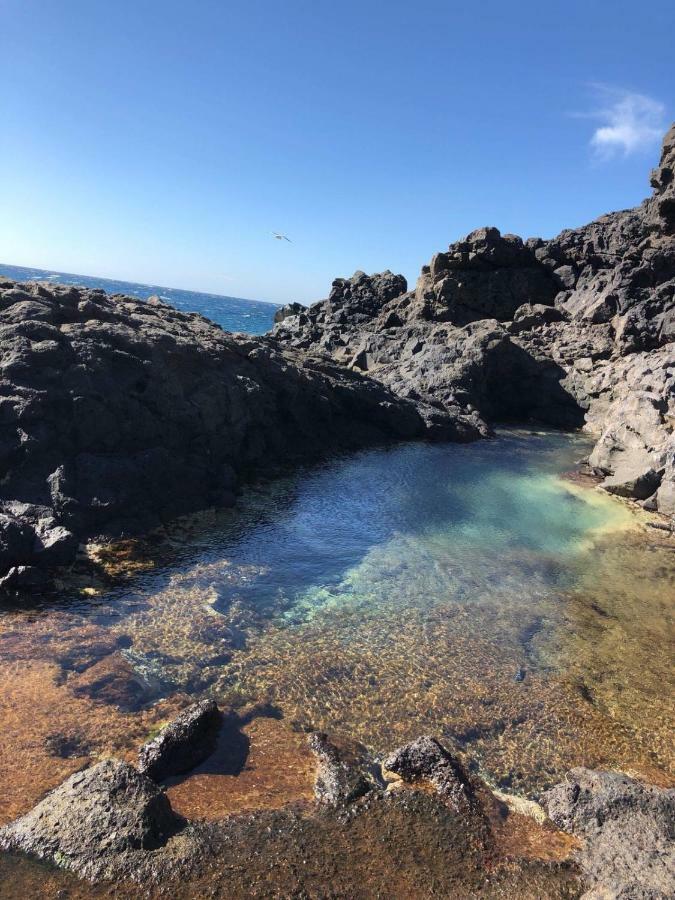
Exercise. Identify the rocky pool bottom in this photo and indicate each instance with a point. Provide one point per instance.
(474, 592)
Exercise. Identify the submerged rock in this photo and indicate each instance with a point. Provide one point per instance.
(345, 770)
(628, 832)
(94, 817)
(186, 742)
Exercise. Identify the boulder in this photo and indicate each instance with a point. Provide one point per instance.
(426, 759)
(637, 482)
(345, 770)
(290, 309)
(184, 743)
(534, 315)
(94, 817)
(627, 829)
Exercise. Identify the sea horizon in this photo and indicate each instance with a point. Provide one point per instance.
(231, 313)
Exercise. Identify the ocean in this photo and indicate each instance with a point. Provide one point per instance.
(231, 313)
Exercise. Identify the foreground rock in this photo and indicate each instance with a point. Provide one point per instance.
(345, 771)
(186, 742)
(96, 821)
(575, 331)
(427, 759)
(118, 414)
(113, 823)
(628, 832)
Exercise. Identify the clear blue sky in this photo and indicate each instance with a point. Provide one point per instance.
(163, 141)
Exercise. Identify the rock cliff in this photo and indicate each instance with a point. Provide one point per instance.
(117, 414)
(574, 331)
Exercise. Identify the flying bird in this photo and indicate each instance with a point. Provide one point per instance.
(281, 237)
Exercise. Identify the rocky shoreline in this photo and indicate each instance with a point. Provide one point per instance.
(577, 331)
(118, 415)
(114, 821)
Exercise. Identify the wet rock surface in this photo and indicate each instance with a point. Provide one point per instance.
(118, 414)
(628, 832)
(187, 741)
(111, 822)
(345, 770)
(573, 331)
(427, 759)
(94, 819)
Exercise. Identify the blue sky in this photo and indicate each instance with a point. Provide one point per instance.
(164, 141)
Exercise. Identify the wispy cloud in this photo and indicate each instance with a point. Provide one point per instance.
(629, 122)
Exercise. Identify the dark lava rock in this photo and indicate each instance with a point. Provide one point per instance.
(345, 770)
(574, 331)
(187, 741)
(628, 832)
(118, 414)
(427, 759)
(96, 816)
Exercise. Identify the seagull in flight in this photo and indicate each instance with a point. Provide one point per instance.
(281, 237)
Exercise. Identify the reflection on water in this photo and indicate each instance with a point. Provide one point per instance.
(469, 591)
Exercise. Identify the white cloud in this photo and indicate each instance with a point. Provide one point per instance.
(631, 122)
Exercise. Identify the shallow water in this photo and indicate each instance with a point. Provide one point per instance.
(468, 591)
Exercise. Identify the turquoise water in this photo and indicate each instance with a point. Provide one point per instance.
(231, 313)
(455, 504)
(469, 591)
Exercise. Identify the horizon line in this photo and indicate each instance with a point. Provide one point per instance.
(140, 283)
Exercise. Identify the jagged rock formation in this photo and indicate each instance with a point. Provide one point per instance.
(345, 770)
(577, 330)
(110, 822)
(427, 759)
(113, 822)
(116, 414)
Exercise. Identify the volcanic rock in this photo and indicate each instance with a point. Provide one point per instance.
(118, 414)
(426, 759)
(187, 741)
(574, 331)
(628, 832)
(345, 770)
(95, 818)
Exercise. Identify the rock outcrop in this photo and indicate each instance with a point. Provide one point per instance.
(574, 331)
(95, 821)
(627, 829)
(113, 822)
(345, 770)
(185, 742)
(118, 414)
(426, 759)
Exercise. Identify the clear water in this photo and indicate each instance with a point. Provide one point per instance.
(468, 591)
(231, 313)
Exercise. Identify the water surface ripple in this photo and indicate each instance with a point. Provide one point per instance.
(472, 592)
